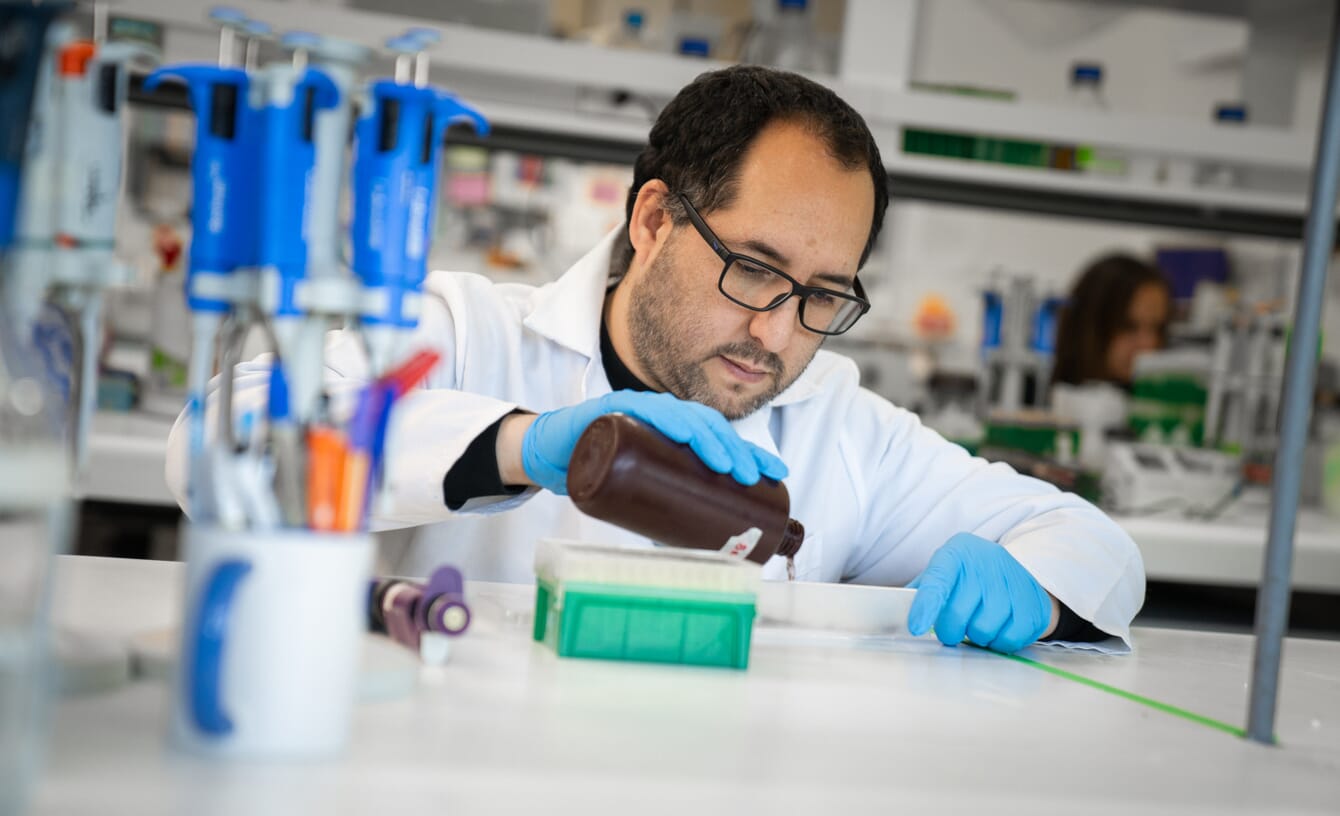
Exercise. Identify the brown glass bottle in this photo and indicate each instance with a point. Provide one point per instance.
(624, 472)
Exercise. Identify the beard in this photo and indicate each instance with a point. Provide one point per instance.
(664, 334)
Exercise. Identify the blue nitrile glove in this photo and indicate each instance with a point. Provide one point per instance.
(550, 440)
(974, 587)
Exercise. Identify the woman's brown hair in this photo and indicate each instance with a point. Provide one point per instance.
(1097, 309)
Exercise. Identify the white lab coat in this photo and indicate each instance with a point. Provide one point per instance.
(876, 491)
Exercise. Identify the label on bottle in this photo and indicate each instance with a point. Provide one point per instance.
(740, 546)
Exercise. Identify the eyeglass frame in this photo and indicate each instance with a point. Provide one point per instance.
(798, 289)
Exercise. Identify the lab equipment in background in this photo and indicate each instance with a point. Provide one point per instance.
(270, 642)
(1246, 375)
(1086, 92)
(632, 31)
(950, 408)
(1186, 269)
(1098, 409)
(418, 616)
(1032, 432)
(657, 605)
(34, 480)
(25, 26)
(676, 499)
(522, 217)
(1219, 174)
(34, 527)
(1086, 86)
(170, 333)
(1168, 396)
(694, 34)
(266, 254)
(629, 31)
(991, 149)
(934, 321)
(694, 47)
(1145, 478)
(396, 161)
(1330, 464)
(223, 240)
(1018, 338)
(788, 40)
(67, 210)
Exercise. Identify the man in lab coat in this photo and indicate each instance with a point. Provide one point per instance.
(756, 202)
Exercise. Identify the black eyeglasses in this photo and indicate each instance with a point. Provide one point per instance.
(762, 287)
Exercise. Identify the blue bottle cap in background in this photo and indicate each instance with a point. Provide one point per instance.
(633, 18)
(1082, 72)
(792, 4)
(1235, 112)
(693, 46)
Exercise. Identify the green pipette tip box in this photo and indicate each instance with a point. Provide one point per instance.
(661, 605)
(647, 624)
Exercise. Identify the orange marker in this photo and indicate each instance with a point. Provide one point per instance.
(353, 490)
(326, 451)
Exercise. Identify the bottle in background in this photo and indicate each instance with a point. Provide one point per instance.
(789, 41)
(170, 336)
(1216, 173)
(694, 47)
(1086, 92)
(1086, 86)
(631, 32)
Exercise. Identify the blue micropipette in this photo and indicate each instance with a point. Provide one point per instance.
(398, 140)
(223, 218)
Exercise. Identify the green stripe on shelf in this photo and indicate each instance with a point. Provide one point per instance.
(1135, 698)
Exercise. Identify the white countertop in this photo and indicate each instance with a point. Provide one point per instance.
(126, 455)
(1230, 550)
(827, 721)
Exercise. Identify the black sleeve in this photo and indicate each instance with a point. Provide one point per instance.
(1075, 629)
(475, 474)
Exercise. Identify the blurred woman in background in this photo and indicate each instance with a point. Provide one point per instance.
(1119, 308)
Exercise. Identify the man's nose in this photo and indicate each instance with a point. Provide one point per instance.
(774, 328)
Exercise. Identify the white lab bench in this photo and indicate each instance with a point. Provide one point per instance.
(1230, 549)
(837, 723)
(126, 454)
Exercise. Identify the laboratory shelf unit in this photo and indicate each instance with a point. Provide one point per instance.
(539, 90)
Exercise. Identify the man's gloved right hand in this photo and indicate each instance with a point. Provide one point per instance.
(550, 440)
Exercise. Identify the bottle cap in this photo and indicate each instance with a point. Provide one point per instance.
(1086, 73)
(693, 47)
(792, 537)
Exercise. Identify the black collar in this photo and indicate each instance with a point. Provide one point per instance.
(619, 375)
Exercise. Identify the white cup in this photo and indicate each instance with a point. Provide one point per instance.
(272, 629)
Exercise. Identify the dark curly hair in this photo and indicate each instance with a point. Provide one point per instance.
(699, 140)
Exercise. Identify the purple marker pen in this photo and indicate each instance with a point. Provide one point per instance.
(392, 607)
(443, 608)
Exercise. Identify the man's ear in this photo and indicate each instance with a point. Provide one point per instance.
(651, 224)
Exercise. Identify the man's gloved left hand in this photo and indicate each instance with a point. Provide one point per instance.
(975, 588)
